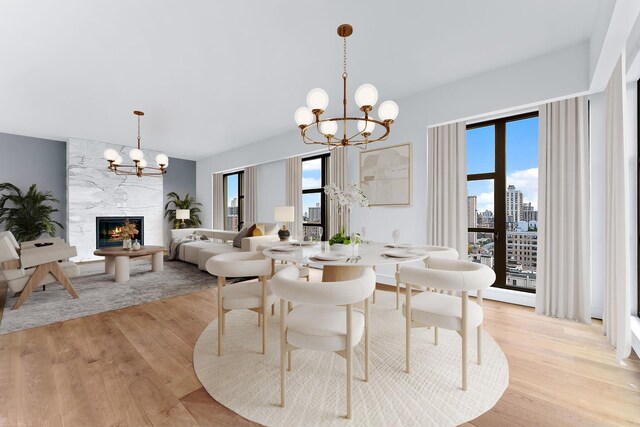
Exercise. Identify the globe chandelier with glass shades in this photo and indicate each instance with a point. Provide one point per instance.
(140, 167)
(345, 131)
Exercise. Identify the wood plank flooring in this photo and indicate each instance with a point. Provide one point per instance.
(133, 367)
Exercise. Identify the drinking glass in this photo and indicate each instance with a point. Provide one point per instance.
(363, 234)
(320, 234)
(354, 245)
(396, 237)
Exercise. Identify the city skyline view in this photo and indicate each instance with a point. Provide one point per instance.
(521, 157)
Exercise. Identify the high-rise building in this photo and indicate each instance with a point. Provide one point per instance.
(522, 251)
(514, 205)
(529, 213)
(472, 216)
(315, 214)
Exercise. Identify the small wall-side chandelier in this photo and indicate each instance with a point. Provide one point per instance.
(140, 166)
(326, 130)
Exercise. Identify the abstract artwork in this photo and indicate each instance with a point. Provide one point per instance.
(385, 175)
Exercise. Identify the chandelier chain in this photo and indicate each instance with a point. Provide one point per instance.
(344, 57)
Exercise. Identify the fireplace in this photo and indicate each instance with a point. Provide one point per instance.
(107, 228)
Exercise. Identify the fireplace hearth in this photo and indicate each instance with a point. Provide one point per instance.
(108, 227)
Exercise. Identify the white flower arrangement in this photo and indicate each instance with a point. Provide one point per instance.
(347, 198)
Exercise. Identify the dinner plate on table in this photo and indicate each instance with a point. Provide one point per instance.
(328, 257)
(304, 243)
(398, 246)
(283, 248)
(399, 254)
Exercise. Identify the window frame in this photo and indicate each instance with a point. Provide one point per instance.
(240, 198)
(324, 171)
(499, 177)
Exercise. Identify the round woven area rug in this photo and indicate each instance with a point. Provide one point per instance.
(248, 382)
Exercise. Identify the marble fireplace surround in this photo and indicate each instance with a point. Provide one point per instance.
(93, 191)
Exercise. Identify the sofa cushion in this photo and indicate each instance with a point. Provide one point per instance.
(270, 228)
(237, 241)
(213, 250)
(188, 252)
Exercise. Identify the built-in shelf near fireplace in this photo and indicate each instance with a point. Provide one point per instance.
(108, 228)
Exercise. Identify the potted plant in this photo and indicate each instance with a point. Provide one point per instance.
(127, 232)
(175, 202)
(345, 200)
(27, 215)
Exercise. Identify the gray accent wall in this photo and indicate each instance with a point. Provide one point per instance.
(181, 178)
(25, 160)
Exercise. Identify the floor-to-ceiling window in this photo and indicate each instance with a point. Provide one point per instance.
(314, 204)
(234, 200)
(502, 204)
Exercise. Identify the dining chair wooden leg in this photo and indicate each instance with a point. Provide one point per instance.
(366, 340)
(463, 335)
(283, 349)
(397, 286)
(220, 314)
(374, 289)
(435, 335)
(259, 319)
(349, 360)
(273, 309)
(479, 343)
(407, 338)
(263, 315)
(289, 360)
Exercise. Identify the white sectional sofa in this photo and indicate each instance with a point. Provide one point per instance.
(218, 242)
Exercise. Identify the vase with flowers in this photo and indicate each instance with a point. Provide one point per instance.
(345, 200)
(127, 232)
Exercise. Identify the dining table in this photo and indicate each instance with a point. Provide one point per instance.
(341, 262)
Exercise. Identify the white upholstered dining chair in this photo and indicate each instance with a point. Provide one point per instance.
(435, 252)
(254, 296)
(323, 319)
(441, 310)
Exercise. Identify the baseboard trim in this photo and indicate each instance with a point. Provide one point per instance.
(635, 334)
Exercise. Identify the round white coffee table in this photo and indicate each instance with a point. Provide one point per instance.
(116, 260)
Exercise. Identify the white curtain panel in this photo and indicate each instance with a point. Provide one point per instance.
(250, 195)
(294, 194)
(218, 201)
(447, 187)
(563, 286)
(617, 310)
(337, 176)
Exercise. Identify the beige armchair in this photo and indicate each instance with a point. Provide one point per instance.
(27, 267)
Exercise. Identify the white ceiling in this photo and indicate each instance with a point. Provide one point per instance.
(211, 76)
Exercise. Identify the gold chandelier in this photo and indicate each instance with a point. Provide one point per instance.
(325, 131)
(140, 166)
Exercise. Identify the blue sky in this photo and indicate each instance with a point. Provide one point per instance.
(522, 160)
(311, 178)
(232, 188)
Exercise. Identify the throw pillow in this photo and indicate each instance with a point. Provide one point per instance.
(237, 241)
(259, 230)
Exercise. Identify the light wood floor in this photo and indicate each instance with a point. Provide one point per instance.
(134, 367)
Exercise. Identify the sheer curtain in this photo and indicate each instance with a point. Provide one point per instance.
(250, 195)
(447, 187)
(617, 310)
(294, 194)
(563, 286)
(218, 201)
(338, 176)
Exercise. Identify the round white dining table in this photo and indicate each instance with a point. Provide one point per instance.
(369, 254)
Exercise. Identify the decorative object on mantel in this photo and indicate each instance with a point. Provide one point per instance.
(140, 167)
(284, 214)
(127, 232)
(345, 199)
(176, 204)
(366, 96)
(385, 175)
(29, 217)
